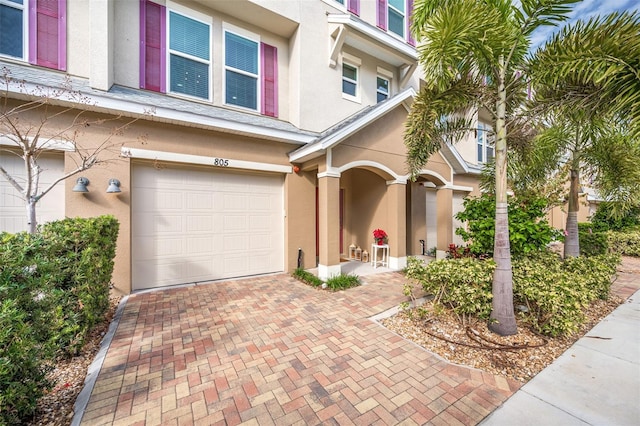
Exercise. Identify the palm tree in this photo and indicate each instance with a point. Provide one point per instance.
(475, 50)
(588, 78)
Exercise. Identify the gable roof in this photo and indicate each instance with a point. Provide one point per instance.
(346, 128)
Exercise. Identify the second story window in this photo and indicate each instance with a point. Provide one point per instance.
(349, 80)
(189, 56)
(34, 30)
(382, 90)
(176, 56)
(394, 16)
(484, 140)
(241, 71)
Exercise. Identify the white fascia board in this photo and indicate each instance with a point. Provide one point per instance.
(217, 162)
(337, 137)
(460, 162)
(374, 33)
(44, 143)
(100, 103)
(456, 188)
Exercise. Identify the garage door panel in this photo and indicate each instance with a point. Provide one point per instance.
(200, 223)
(202, 200)
(197, 246)
(236, 243)
(204, 224)
(234, 222)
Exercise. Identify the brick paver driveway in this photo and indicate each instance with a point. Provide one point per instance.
(271, 350)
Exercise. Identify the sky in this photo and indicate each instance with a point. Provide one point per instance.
(584, 11)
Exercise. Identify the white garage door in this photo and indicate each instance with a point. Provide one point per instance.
(194, 224)
(13, 213)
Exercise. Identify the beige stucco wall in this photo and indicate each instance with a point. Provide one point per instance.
(299, 189)
(365, 207)
(300, 222)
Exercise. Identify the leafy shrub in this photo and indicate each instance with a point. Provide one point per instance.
(528, 230)
(84, 250)
(592, 243)
(343, 282)
(307, 277)
(22, 370)
(54, 288)
(556, 292)
(624, 243)
(463, 284)
(604, 218)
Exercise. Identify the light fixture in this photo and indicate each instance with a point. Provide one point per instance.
(81, 185)
(114, 186)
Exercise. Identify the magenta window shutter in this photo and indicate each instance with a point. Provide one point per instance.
(410, 38)
(48, 33)
(354, 7)
(382, 14)
(152, 46)
(269, 70)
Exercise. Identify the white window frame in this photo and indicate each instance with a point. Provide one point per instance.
(384, 75)
(404, 20)
(25, 28)
(485, 138)
(352, 62)
(196, 16)
(228, 28)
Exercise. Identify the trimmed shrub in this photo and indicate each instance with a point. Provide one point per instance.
(83, 250)
(464, 285)
(54, 288)
(592, 243)
(556, 292)
(624, 243)
(22, 370)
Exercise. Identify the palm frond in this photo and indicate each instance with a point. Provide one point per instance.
(436, 118)
(594, 66)
(535, 13)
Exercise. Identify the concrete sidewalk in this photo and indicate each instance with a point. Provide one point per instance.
(595, 382)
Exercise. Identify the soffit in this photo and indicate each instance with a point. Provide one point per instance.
(371, 40)
(254, 14)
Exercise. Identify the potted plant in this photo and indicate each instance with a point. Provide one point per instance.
(380, 236)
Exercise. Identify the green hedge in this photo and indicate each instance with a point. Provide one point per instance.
(54, 288)
(624, 243)
(462, 284)
(553, 291)
(592, 241)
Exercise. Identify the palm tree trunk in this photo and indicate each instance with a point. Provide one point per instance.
(572, 239)
(502, 320)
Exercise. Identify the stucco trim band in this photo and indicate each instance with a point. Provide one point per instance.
(226, 163)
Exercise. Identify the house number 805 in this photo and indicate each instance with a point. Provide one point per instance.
(220, 162)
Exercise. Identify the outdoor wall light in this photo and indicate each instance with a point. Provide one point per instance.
(81, 185)
(114, 186)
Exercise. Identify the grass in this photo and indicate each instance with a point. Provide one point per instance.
(336, 283)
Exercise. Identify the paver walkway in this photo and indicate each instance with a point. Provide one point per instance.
(271, 350)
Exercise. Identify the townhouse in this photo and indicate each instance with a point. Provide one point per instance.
(268, 134)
